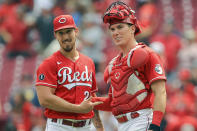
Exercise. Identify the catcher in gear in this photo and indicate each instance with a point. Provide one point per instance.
(137, 95)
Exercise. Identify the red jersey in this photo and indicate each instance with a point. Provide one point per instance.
(130, 88)
(73, 81)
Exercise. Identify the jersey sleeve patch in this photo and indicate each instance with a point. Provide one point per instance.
(158, 69)
(155, 69)
(46, 74)
(41, 77)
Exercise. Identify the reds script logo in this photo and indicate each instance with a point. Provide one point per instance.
(66, 72)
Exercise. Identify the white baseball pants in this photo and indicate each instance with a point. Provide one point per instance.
(140, 123)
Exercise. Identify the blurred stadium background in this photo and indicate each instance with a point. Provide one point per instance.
(26, 37)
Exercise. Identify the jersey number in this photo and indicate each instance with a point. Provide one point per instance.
(87, 95)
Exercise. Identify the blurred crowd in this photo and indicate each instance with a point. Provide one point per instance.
(169, 27)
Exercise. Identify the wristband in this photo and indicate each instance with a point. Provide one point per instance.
(154, 127)
(157, 117)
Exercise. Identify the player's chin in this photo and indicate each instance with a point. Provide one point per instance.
(68, 48)
(118, 43)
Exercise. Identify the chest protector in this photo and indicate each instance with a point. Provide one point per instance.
(128, 91)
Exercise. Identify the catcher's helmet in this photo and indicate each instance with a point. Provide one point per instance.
(119, 12)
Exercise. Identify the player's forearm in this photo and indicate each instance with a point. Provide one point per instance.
(159, 106)
(58, 104)
(158, 110)
(160, 101)
(159, 90)
(97, 121)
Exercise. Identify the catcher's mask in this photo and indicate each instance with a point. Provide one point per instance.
(119, 12)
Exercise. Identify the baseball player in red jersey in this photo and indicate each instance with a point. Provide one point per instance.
(66, 83)
(137, 96)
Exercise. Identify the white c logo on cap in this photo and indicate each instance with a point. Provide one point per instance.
(62, 20)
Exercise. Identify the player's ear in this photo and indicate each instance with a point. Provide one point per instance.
(77, 32)
(133, 28)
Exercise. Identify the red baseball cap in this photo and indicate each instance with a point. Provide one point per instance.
(63, 21)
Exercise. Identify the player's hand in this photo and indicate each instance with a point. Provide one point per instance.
(86, 106)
